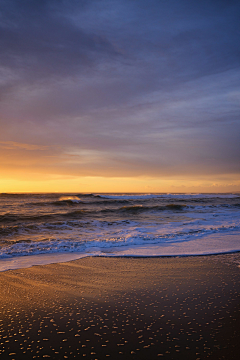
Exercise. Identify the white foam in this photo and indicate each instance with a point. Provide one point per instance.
(208, 245)
(20, 262)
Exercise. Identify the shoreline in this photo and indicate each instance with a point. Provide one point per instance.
(127, 308)
(16, 262)
(216, 244)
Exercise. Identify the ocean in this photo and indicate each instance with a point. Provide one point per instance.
(45, 228)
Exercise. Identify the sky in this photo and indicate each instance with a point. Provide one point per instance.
(119, 96)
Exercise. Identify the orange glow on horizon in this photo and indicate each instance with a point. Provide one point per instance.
(116, 185)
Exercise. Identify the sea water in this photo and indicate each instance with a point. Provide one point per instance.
(45, 228)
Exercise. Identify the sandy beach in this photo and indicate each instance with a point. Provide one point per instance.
(123, 308)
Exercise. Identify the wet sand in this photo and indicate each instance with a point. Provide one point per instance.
(123, 308)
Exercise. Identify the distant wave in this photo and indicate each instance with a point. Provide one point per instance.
(14, 217)
(88, 195)
(128, 196)
(168, 196)
(74, 214)
(11, 195)
(141, 208)
(82, 208)
(99, 201)
(70, 202)
(69, 199)
(9, 218)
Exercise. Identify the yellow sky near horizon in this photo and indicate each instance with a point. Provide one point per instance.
(33, 168)
(89, 184)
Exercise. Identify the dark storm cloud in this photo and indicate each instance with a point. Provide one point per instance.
(123, 87)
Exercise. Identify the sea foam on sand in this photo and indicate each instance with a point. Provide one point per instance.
(209, 245)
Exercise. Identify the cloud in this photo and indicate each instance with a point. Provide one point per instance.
(120, 88)
(40, 42)
(11, 145)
